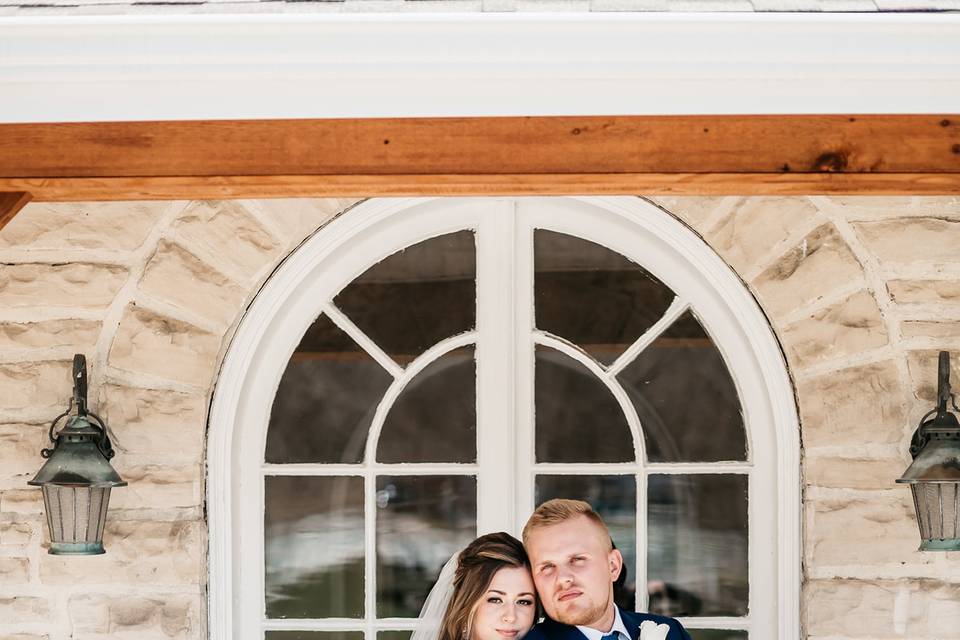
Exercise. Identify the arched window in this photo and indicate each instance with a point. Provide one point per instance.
(422, 371)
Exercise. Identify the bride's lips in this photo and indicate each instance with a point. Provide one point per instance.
(508, 633)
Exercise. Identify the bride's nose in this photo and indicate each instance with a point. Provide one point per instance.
(509, 614)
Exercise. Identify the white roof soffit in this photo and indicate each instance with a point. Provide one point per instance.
(94, 68)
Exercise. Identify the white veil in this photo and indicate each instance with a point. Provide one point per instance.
(435, 606)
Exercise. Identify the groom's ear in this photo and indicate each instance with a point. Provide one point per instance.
(616, 564)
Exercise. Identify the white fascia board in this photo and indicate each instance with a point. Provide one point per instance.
(92, 68)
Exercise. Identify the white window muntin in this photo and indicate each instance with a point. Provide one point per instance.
(300, 290)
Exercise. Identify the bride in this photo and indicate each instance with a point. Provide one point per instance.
(483, 593)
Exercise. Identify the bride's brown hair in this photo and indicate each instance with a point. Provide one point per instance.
(476, 566)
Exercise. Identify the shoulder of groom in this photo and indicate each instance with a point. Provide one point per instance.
(547, 630)
(634, 619)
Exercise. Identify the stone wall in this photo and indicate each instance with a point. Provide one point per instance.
(862, 292)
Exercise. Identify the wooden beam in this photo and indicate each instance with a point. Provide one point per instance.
(227, 187)
(10, 203)
(876, 154)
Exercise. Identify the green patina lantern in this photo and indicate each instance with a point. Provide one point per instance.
(77, 477)
(934, 475)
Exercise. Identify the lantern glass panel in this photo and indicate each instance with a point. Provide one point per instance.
(937, 509)
(75, 516)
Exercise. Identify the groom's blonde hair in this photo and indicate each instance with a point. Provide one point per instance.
(560, 510)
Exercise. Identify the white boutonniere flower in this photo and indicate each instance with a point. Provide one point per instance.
(650, 630)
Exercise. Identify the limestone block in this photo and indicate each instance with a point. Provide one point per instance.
(852, 407)
(157, 486)
(820, 264)
(82, 225)
(852, 472)
(71, 285)
(14, 570)
(911, 239)
(24, 609)
(872, 206)
(164, 425)
(943, 611)
(231, 233)
(920, 291)
(23, 636)
(874, 529)
(36, 385)
(924, 329)
(18, 530)
(694, 210)
(923, 373)
(20, 446)
(141, 552)
(751, 229)
(79, 334)
(297, 218)
(844, 329)
(860, 609)
(177, 616)
(153, 344)
(177, 276)
(22, 500)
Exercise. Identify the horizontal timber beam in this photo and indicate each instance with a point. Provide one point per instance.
(760, 154)
(228, 187)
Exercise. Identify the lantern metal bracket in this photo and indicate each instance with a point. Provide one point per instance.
(938, 423)
(79, 400)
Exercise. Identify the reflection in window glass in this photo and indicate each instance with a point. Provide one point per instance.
(313, 539)
(592, 296)
(421, 522)
(435, 417)
(416, 297)
(717, 634)
(577, 417)
(326, 399)
(697, 545)
(615, 499)
(688, 406)
(394, 635)
(314, 635)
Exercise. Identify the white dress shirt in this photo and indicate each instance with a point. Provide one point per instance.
(618, 627)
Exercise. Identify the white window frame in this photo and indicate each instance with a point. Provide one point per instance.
(303, 285)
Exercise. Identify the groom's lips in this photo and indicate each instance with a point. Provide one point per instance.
(568, 595)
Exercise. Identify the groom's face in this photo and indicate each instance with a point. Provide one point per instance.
(574, 569)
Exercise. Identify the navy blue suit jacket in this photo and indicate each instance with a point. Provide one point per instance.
(552, 630)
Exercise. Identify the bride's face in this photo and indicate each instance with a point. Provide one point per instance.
(507, 610)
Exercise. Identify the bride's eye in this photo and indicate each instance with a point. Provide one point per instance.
(525, 602)
(494, 600)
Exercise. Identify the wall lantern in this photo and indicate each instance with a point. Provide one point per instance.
(934, 475)
(77, 477)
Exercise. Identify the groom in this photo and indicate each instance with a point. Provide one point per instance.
(574, 568)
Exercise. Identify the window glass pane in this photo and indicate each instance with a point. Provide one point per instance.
(592, 296)
(416, 297)
(615, 499)
(697, 545)
(313, 538)
(421, 522)
(394, 635)
(688, 406)
(313, 635)
(326, 399)
(435, 417)
(577, 418)
(717, 634)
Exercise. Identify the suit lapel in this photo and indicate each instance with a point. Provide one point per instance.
(632, 622)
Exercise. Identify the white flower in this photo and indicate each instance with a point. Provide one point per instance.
(650, 630)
